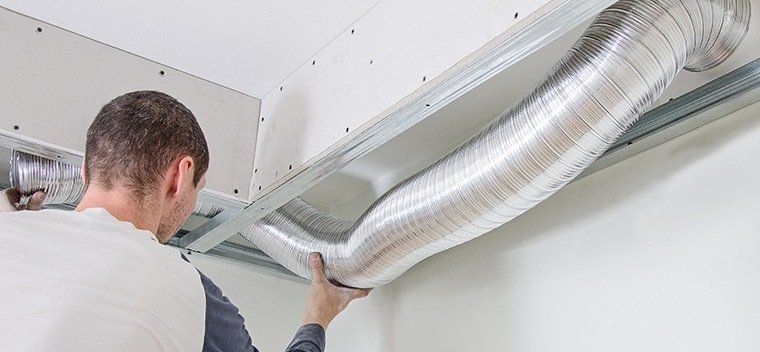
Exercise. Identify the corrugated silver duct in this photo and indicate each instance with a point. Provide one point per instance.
(62, 182)
(613, 74)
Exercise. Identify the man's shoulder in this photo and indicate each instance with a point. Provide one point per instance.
(94, 234)
(95, 224)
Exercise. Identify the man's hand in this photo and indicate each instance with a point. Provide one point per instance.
(12, 201)
(325, 300)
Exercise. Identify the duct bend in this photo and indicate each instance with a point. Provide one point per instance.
(614, 72)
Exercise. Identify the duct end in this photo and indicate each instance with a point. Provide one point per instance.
(61, 182)
(733, 30)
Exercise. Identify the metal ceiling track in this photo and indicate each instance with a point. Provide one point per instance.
(719, 97)
(244, 255)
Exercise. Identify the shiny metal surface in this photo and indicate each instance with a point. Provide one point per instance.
(60, 181)
(612, 75)
(716, 99)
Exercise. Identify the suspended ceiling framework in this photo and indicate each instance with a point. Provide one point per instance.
(366, 77)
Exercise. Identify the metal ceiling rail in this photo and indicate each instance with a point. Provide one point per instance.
(255, 257)
(244, 255)
(713, 100)
(15, 141)
(483, 65)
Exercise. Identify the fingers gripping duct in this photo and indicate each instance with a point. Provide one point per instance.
(61, 182)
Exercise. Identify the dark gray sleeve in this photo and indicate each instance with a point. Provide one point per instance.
(225, 327)
(309, 338)
(226, 332)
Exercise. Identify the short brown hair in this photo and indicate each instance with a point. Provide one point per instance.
(135, 138)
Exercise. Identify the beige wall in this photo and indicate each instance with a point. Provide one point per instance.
(658, 253)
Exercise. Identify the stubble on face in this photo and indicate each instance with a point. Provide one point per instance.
(170, 224)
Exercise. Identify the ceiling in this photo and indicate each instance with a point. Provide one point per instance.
(250, 46)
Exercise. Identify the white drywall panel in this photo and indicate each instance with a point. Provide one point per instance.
(54, 82)
(351, 190)
(393, 50)
(250, 46)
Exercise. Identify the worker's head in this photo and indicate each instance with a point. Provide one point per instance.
(150, 145)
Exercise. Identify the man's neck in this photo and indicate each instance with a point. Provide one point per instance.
(119, 204)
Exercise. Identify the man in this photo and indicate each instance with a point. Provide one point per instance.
(99, 278)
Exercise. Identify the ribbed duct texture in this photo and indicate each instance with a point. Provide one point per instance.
(61, 182)
(613, 74)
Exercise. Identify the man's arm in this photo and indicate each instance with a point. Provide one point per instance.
(324, 302)
(309, 338)
(225, 327)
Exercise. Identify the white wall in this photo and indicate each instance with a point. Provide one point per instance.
(658, 253)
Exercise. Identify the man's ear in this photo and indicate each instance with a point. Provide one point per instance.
(183, 177)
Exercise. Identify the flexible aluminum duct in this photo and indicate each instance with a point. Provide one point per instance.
(61, 182)
(613, 74)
